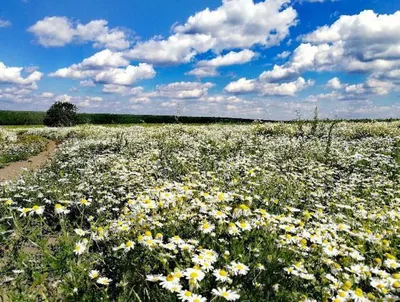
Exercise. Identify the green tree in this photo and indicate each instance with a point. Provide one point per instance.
(61, 114)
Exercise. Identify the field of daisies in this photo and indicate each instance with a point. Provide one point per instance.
(16, 146)
(260, 212)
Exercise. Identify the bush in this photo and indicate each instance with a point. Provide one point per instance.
(61, 114)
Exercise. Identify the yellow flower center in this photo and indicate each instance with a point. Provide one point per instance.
(359, 292)
(170, 278)
(223, 273)
(187, 294)
(243, 207)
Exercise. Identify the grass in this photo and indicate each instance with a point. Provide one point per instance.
(288, 212)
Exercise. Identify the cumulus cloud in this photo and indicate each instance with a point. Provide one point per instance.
(125, 76)
(372, 87)
(364, 42)
(4, 23)
(243, 23)
(367, 42)
(87, 83)
(173, 91)
(178, 48)
(182, 90)
(244, 85)
(13, 75)
(231, 58)
(123, 90)
(334, 83)
(208, 68)
(284, 54)
(104, 58)
(105, 67)
(47, 95)
(203, 72)
(235, 24)
(59, 31)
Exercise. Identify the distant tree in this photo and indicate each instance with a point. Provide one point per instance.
(61, 114)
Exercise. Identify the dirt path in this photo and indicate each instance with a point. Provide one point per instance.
(14, 169)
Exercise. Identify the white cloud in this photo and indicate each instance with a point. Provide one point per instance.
(12, 75)
(284, 54)
(140, 100)
(242, 85)
(371, 86)
(334, 83)
(221, 99)
(235, 24)
(105, 58)
(125, 76)
(285, 89)
(123, 90)
(182, 90)
(103, 67)
(178, 48)
(231, 58)
(278, 73)
(30, 69)
(243, 23)
(87, 83)
(59, 31)
(203, 72)
(47, 95)
(364, 42)
(4, 23)
(208, 68)
(348, 92)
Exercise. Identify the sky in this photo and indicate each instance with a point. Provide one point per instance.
(271, 59)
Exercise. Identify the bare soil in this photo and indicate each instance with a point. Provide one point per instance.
(13, 170)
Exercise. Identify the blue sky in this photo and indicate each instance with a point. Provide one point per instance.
(267, 59)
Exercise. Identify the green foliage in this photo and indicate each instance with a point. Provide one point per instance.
(20, 147)
(61, 114)
(21, 117)
(315, 210)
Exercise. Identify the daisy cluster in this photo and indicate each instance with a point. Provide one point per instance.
(262, 212)
(18, 146)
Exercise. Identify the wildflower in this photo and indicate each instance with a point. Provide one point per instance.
(206, 227)
(84, 202)
(24, 211)
(244, 225)
(80, 248)
(194, 275)
(93, 274)
(104, 281)
(60, 209)
(241, 210)
(233, 229)
(196, 298)
(38, 210)
(170, 283)
(238, 268)
(227, 294)
(80, 232)
(185, 295)
(221, 275)
(153, 278)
